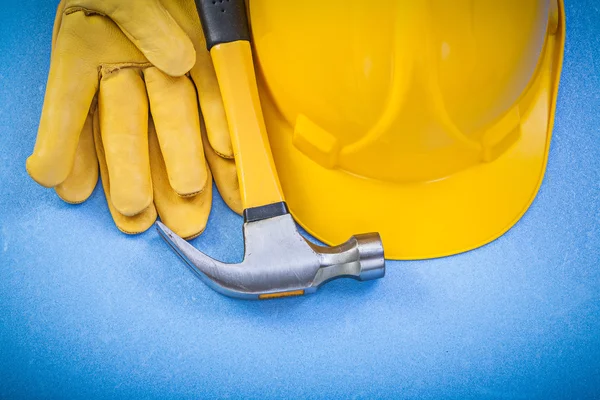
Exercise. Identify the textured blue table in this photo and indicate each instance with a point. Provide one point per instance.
(87, 312)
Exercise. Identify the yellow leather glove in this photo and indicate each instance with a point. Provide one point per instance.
(101, 91)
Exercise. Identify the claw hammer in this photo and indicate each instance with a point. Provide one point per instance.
(278, 261)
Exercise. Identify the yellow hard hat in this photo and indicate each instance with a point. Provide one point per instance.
(426, 121)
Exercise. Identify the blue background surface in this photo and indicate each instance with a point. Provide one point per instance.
(87, 312)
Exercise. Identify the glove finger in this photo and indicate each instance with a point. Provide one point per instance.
(186, 216)
(130, 225)
(174, 109)
(123, 112)
(70, 89)
(151, 28)
(225, 175)
(211, 104)
(203, 74)
(81, 182)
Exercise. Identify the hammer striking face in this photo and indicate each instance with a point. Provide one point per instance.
(279, 262)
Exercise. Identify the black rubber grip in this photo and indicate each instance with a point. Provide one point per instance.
(263, 212)
(223, 21)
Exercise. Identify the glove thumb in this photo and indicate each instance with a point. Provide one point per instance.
(150, 27)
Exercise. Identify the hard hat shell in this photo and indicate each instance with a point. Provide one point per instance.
(426, 121)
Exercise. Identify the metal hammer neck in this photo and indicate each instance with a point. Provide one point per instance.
(267, 211)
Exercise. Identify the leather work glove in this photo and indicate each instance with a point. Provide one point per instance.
(108, 103)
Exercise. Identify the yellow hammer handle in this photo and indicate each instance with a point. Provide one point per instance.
(259, 183)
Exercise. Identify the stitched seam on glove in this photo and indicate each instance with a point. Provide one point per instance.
(69, 201)
(194, 236)
(223, 155)
(86, 11)
(109, 68)
(188, 195)
(128, 232)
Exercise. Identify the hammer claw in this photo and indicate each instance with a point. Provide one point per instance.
(198, 262)
(279, 262)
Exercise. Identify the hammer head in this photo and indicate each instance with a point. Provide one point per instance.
(279, 262)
